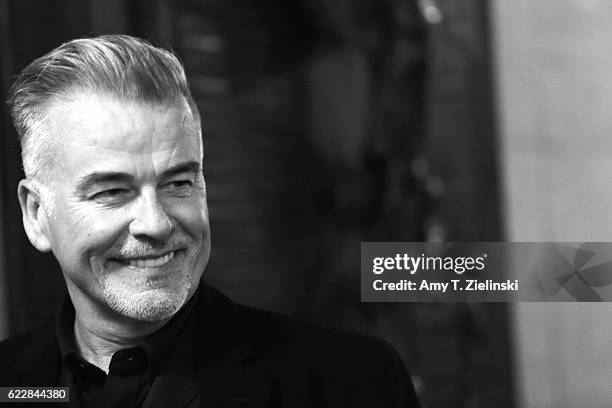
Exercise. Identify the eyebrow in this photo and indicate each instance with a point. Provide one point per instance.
(88, 181)
(188, 167)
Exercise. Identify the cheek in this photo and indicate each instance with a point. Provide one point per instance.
(192, 215)
(89, 232)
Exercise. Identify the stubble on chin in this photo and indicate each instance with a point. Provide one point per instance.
(144, 300)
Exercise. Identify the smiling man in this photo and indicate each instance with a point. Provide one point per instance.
(112, 152)
(129, 224)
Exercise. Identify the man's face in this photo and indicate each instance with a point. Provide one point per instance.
(128, 220)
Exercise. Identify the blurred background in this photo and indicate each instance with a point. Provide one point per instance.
(332, 122)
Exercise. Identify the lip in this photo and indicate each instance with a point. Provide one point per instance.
(148, 261)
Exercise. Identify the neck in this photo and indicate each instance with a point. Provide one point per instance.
(98, 335)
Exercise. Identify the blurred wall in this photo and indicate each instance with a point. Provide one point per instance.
(3, 302)
(5, 64)
(554, 69)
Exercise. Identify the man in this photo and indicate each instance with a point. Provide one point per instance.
(112, 153)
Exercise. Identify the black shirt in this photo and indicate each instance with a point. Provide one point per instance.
(132, 371)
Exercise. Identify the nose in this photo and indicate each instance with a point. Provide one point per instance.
(150, 218)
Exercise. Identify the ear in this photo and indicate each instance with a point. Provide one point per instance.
(35, 221)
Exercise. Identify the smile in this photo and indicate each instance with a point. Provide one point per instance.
(150, 262)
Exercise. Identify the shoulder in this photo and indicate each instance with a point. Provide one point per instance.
(13, 347)
(296, 341)
(279, 332)
(345, 362)
(311, 364)
(274, 332)
(11, 351)
(30, 357)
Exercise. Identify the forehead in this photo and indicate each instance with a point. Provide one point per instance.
(88, 131)
(100, 119)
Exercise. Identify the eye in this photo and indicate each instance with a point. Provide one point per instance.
(181, 183)
(179, 187)
(111, 195)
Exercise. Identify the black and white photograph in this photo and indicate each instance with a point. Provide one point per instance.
(307, 203)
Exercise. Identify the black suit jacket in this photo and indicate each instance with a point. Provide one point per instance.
(246, 358)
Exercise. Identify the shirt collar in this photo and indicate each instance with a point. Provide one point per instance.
(156, 345)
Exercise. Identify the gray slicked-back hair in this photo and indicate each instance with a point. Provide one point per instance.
(120, 66)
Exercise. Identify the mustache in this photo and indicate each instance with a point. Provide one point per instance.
(134, 248)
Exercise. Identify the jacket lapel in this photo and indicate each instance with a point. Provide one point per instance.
(175, 385)
(228, 375)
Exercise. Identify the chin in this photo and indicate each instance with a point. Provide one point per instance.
(146, 304)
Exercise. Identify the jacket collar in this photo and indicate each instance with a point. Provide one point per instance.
(227, 371)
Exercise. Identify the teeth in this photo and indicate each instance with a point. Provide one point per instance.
(152, 262)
